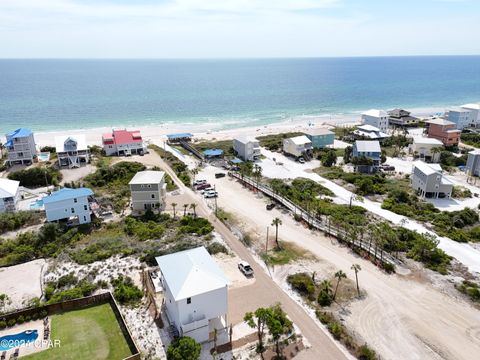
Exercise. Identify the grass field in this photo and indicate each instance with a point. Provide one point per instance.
(92, 333)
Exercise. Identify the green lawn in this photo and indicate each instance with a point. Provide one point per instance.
(92, 333)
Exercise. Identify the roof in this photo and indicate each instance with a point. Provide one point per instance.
(8, 188)
(147, 177)
(236, 161)
(179, 135)
(20, 132)
(121, 137)
(245, 139)
(60, 142)
(440, 121)
(300, 140)
(426, 140)
(318, 132)
(375, 113)
(458, 109)
(427, 169)
(475, 152)
(213, 152)
(368, 146)
(367, 127)
(66, 194)
(471, 106)
(191, 272)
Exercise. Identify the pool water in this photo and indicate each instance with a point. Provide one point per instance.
(36, 205)
(44, 156)
(11, 341)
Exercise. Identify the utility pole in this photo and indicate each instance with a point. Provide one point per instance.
(266, 242)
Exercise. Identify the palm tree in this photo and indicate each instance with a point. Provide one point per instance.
(339, 275)
(326, 286)
(276, 222)
(356, 268)
(193, 206)
(174, 212)
(185, 206)
(436, 150)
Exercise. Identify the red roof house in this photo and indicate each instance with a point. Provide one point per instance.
(122, 142)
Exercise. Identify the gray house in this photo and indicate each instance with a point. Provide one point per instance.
(21, 146)
(247, 148)
(148, 191)
(473, 163)
(428, 181)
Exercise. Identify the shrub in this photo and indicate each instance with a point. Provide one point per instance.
(20, 319)
(303, 283)
(365, 353)
(3, 324)
(37, 176)
(125, 291)
(43, 313)
(67, 280)
(389, 268)
(195, 225)
(216, 247)
(11, 322)
(335, 329)
(14, 220)
(325, 298)
(184, 348)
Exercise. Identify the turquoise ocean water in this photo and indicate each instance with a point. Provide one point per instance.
(59, 94)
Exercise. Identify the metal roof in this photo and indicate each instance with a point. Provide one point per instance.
(440, 121)
(60, 142)
(300, 140)
(375, 113)
(66, 194)
(213, 152)
(426, 140)
(147, 177)
(20, 132)
(368, 146)
(191, 272)
(318, 132)
(245, 139)
(179, 136)
(236, 161)
(8, 188)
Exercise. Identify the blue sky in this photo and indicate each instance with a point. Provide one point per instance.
(237, 28)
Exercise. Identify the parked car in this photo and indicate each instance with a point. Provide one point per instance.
(270, 206)
(388, 167)
(245, 268)
(203, 186)
(204, 191)
(199, 182)
(219, 175)
(210, 194)
(301, 160)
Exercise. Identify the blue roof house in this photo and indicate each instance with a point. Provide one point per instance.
(21, 146)
(369, 150)
(72, 205)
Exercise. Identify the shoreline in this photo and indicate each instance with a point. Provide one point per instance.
(157, 133)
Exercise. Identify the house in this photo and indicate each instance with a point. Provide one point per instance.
(428, 181)
(443, 130)
(460, 116)
(297, 146)
(370, 150)
(369, 132)
(213, 154)
(474, 114)
(473, 163)
(179, 137)
(377, 118)
(72, 151)
(148, 190)
(69, 204)
(401, 118)
(423, 146)
(123, 142)
(21, 146)
(246, 147)
(320, 137)
(195, 293)
(9, 195)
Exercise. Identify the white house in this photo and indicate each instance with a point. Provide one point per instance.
(148, 190)
(69, 204)
(246, 147)
(474, 110)
(473, 163)
(297, 146)
(377, 118)
(369, 132)
(72, 151)
(20, 146)
(122, 142)
(195, 293)
(460, 116)
(423, 146)
(9, 194)
(428, 181)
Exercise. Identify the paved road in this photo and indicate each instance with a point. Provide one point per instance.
(264, 291)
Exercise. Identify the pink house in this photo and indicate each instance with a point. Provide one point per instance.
(123, 142)
(443, 130)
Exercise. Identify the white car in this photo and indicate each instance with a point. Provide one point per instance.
(204, 191)
(210, 194)
(245, 268)
(199, 182)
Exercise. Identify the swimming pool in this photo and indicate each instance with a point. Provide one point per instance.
(11, 341)
(44, 156)
(36, 205)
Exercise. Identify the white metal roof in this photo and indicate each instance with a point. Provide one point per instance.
(440, 121)
(471, 106)
(191, 272)
(147, 177)
(318, 131)
(80, 139)
(367, 127)
(427, 169)
(427, 141)
(475, 152)
(367, 146)
(375, 113)
(300, 140)
(8, 188)
(245, 139)
(458, 109)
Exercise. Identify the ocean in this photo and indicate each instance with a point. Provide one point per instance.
(50, 95)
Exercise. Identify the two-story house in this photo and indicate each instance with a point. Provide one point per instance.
(460, 116)
(195, 293)
(320, 137)
(428, 181)
(426, 149)
(377, 118)
(9, 195)
(401, 118)
(369, 132)
(247, 148)
(72, 151)
(369, 151)
(297, 146)
(68, 204)
(474, 110)
(122, 142)
(473, 163)
(148, 190)
(443, 130)
(21, 146)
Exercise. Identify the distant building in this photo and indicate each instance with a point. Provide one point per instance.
(68, 204)
(367, 149)
(377, 118)
(474, 110)
(178, 137)
(460, 116)
(443, 130)
(401, 118)
(369, 132)
(213, 154)
(9, 195)
(21, 146)
(428, 181)
(320, 137)
(297, 146)
(148, 190)
(423, 147)
(123, 142)
(246, 147)
(72, 151)
(473, 163)
(195, 293)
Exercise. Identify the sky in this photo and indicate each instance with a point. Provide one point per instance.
(237, 28)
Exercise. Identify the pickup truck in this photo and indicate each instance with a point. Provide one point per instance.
(245, 268)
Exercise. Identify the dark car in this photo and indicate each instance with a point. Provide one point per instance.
(219, 175)
(270, 206)
(203, 186)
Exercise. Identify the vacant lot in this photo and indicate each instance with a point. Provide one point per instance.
(92, 333)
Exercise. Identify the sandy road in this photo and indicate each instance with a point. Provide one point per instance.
(400, 318)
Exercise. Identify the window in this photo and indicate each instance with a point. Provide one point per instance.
(73, 210)
(85, 207)
(75, 200)
(153, 196)
(189, 300)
